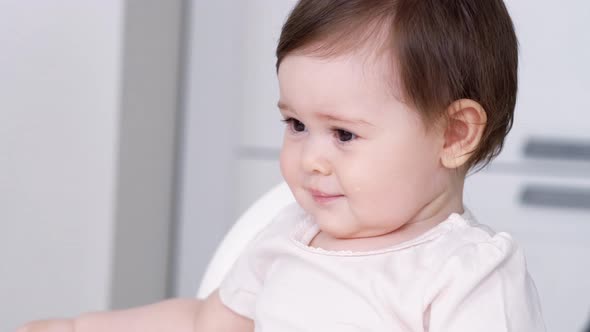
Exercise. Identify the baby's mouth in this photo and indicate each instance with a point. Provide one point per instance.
(322, 197)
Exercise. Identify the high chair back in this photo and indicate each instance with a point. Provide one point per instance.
(246, 227)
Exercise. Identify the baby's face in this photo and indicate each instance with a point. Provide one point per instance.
(356, 158)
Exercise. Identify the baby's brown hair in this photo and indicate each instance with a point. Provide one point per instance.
(443, 51)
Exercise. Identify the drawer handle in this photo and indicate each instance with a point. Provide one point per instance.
(561, 197)
(557, 149)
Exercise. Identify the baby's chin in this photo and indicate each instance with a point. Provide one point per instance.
(359, 239)
(341, 227)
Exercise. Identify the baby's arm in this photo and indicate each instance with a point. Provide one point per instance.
(215, 316)
(176, 315)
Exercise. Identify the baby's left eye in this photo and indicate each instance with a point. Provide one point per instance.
(344, 135)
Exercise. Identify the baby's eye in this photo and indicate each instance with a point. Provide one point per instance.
(344, 135)
(295, 125)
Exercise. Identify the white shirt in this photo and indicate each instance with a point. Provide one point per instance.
(458, 276)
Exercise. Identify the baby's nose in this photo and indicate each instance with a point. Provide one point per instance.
(315, 159)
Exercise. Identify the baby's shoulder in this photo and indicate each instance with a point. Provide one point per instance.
(467, 244)
(486, 270)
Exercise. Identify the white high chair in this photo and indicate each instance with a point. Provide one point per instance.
(246, 227)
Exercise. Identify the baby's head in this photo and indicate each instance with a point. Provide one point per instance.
(389, 103)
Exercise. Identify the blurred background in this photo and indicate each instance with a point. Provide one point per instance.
(134, 133)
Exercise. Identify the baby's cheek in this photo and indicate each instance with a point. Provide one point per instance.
(287, 162)
(363, 192)
(376, 198)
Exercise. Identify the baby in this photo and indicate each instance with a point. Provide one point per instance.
(388, 104)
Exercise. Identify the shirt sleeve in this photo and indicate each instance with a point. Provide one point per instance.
(483, 287)
(240, 287)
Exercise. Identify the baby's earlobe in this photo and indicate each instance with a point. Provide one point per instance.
(454, 160)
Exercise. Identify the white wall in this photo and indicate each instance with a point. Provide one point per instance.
(211, 98)
(148, 140)
(59, 107)
(88, 112)
(228, 101)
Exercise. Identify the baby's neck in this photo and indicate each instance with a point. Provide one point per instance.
(427, 218)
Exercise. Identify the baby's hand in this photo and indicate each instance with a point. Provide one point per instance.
(50, 325)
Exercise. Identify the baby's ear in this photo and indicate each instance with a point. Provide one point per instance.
(466, 121)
